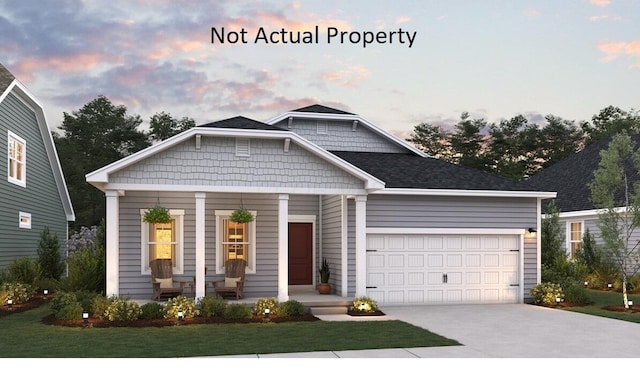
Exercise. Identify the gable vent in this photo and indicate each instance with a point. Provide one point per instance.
(243, 147)
(323, 128)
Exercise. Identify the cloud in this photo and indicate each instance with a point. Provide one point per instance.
(349, 77)
(402, 20)
(614, 50)
(600, 3)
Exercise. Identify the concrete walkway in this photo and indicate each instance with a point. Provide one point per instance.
(501, 331)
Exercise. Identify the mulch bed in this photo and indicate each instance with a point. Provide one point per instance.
(40, 300)
(621, 308)
(352, 312)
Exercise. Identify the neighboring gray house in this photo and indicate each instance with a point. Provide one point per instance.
(393, 223)
(33, 194)
(570, 178)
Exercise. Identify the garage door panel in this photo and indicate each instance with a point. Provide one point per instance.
(443, 269)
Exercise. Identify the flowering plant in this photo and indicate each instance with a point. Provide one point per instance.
(365, 304)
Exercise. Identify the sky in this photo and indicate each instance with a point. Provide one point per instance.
(423, 61)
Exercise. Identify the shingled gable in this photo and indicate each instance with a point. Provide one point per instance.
(570, 177)
(6, 78)
(317, 108)
(412, 171)
(240, 122)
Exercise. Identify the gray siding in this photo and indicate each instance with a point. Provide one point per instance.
(216, 164)
(40, 197)
(331, 238)
(341, 137)
(459, 212)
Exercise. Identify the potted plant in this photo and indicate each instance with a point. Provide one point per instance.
(324, 287)
(157, 215)
(241, 216)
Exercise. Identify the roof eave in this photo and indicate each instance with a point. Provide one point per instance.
(468, 193)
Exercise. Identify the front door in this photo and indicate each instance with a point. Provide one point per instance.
(300, 253)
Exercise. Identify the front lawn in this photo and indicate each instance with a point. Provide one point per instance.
(602, 299)
(25, 336)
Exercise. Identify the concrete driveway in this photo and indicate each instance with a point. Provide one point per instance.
(503, 331)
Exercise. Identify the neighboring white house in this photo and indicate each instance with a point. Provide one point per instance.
(393, 223)
(33, 193)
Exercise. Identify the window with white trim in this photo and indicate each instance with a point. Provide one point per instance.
(163, 241)
(24, 220)
(17, 162)
(575, 237)
(235, 241)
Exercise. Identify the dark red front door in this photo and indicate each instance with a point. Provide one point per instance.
(300, 253)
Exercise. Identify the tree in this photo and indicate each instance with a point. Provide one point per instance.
(551, 240)
(163, 126)
(49, 257)
(92, 137)
(613, 190)
(431, 139)
(609, 121)
(467, 143)
(558, 139)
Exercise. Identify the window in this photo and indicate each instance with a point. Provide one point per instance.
(163, 241)
(575, 238)
(235, 240)
(24, 220)
(17, 148)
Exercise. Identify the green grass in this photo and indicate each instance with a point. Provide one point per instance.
(604, 298)
(25, 336)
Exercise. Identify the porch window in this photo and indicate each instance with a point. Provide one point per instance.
(17, 148)
(575, 238)
(234, 241)
(163, 241)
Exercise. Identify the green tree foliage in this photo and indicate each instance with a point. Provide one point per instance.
(509, 149)
(613, 190)
(467, 142)
(163, 126)
(49, 255)
(97, 134)
(557, 140)
(609, 121)
(551, 240)
(432, 139)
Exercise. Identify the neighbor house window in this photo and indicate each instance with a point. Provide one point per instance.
(24, 220)
(163, 241)
(235, 241)
(17, 148)
(575, 238)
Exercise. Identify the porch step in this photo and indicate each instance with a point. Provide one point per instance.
(333, 310)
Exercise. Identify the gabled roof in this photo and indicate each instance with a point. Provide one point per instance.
(570, 177)
(240, 122)
(317, 108)
(325, 113)
(9, 84)
(410, 171)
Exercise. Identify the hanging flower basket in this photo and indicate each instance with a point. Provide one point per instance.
(241, 216)
(157, 215)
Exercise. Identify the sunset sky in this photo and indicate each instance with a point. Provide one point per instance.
(493, 59)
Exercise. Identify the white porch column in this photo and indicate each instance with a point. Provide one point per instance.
(283, 247)
(344, 243)
(200, 285)
(361, 246)
(113, 242)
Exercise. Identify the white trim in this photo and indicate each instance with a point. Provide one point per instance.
(100, 177)
(232, 189)
(567, 238)
(283, 247)
(587, 213)
(222, 214)
(113, 242)
(11, 136)
(347, 117)
(443, 231)
(308, 219)
(344, 245)
(467, 193)
(200, 285)
(361, 245)
(538, 243)
(176, 214)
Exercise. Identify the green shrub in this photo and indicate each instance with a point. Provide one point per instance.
(603, 273)
(70, 312)
(181, 303)
(24, 270)
(211, 306)
(291, 308)
(86, 271)
(365, 303)
(576, 294)
(152, 311)
(121, 309)
(564, 271)
(85, 298)
(270, 303)
(546, 293)
(65, 306)
(99, 306)
(238, 312)
(49, 256)
(50, 284)
(18, 292)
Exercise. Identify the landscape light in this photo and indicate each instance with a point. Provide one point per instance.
(85, 318)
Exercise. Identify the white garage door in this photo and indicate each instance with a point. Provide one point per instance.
(443, 269)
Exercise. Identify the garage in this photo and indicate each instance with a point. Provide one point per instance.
(443, 268)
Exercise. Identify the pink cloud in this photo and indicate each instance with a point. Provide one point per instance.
(348, 77)
(402, 19)
(614, 50)
(64, 64)
(600, 3)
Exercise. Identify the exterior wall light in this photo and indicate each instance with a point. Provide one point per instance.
(532, 231)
